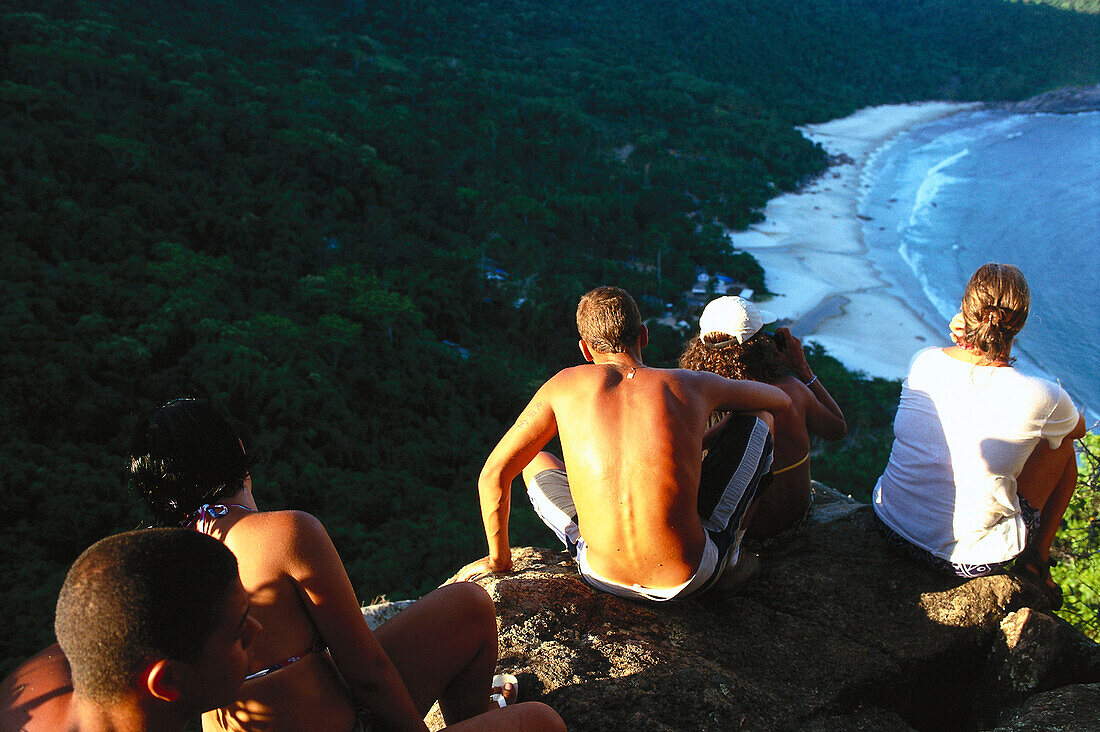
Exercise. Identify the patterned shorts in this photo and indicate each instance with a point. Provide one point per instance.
(967, 571)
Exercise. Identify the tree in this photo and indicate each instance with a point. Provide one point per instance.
(1076, 549)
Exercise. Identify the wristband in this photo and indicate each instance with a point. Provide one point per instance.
(811, 381)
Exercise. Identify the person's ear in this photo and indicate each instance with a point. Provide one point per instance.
(160, 680)
(586, 351)
(643, 337)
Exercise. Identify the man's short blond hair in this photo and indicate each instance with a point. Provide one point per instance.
(608, 320)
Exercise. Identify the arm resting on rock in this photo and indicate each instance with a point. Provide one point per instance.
(519, 446)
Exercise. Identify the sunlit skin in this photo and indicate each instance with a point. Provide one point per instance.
(38, 693)
(443, 647)
(432, 642)
(297, 585)
(632, 438)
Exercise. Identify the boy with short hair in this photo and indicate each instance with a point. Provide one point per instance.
(153, 629)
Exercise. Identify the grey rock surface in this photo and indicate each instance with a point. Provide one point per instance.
(1075, 707)
(1068, 100)
(838, 632)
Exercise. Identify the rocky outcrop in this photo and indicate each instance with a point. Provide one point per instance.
(838, 632)
(1075, 707)
(1069, 100)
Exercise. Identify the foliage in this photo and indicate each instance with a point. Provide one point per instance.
(299, 210)
(854, 464)
(1076, 549)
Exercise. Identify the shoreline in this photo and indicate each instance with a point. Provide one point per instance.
(811, 247)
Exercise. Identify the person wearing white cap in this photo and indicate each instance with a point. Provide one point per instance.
(733, 317)
(732, 342)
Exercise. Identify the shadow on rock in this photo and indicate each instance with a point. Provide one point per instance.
(838, 632)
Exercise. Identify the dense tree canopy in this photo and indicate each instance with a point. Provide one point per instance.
(361, 228)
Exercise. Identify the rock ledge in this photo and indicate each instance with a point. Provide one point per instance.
(838, 632)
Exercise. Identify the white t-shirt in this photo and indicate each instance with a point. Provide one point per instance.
(961, 437)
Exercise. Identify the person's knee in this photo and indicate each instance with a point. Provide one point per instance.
(470, 601)
(1043, 452)
(542, 461)
(1046, 467)
(1064, 449)
(1068, 450)
(766, 418)
(538, 716)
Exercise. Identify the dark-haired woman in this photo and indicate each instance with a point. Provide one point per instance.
(732, 342)
(319, 667)
(982, 467)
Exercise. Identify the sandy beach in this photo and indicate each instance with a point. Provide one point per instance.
(811, 247)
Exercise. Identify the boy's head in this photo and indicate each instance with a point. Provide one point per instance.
(608, 320)
(159, 612)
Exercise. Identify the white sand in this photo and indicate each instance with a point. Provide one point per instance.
(812, 251)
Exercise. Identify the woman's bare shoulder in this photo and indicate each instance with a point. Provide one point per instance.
(287, 520)
(282, 540)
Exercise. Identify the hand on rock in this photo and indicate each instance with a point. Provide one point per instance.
(481, 568)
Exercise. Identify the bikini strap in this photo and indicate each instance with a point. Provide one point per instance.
(202, 518)
(317, 645)
(792, 466)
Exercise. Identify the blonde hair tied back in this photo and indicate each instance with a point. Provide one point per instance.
(994, 307)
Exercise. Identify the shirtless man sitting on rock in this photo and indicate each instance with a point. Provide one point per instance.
(644, 516)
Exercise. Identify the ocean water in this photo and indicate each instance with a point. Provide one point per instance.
(944, 198)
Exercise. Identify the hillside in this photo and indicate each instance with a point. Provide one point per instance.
(361, 230)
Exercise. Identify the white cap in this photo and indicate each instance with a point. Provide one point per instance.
(734, 316)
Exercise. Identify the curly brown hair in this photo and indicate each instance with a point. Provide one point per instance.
(757, 359)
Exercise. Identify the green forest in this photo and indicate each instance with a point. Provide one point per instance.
(361, 229)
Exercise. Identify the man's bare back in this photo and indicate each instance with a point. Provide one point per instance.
(632, 439)
(633, 448)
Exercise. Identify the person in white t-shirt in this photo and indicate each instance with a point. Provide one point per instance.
(981, 472)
